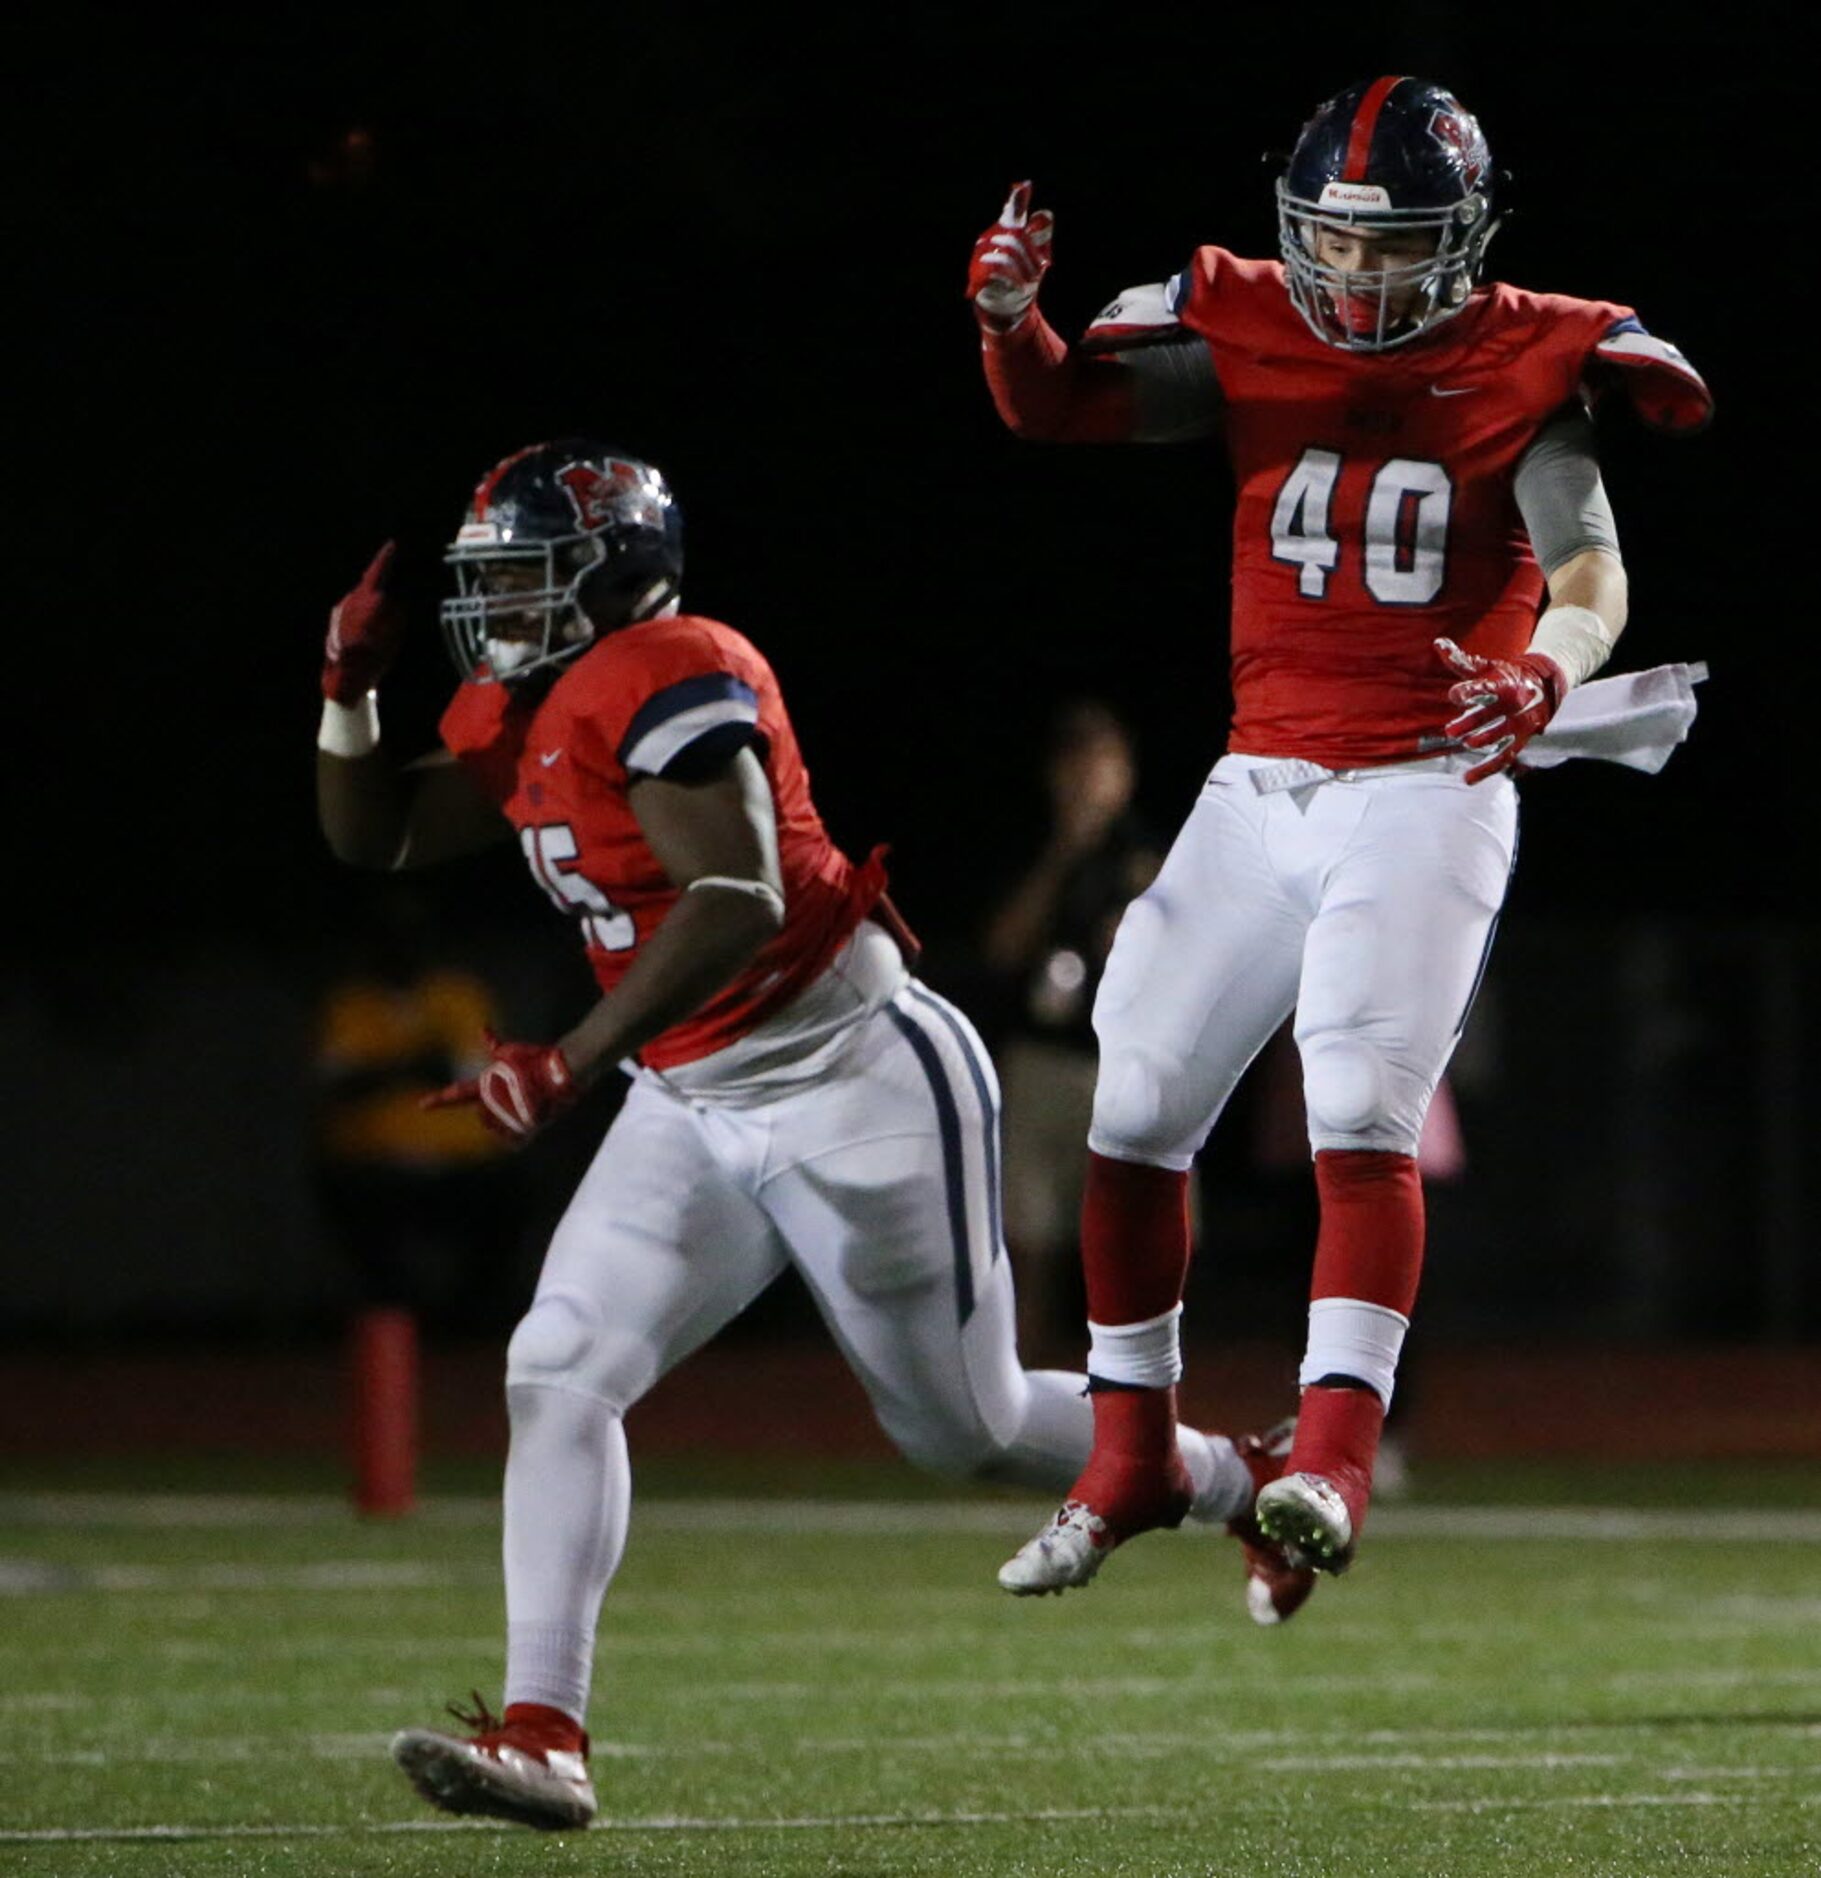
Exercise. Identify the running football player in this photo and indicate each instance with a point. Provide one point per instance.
(797, 1096)
(1425, 568)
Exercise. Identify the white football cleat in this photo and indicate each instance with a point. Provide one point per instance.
(510, 1770)
(1306, 1515)
(1066, 1553)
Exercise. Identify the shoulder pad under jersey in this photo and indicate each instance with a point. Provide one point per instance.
(1664, 389)
(1141, 316)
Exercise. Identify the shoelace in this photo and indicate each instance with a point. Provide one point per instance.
(482, 1721)
(1076, 1515)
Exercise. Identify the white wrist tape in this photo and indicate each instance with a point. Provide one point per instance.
(349, 729)
(753, 889)
(1577, 639)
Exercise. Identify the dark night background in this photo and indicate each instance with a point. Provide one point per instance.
(295, 281)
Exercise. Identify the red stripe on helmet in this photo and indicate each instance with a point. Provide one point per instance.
(1365, 122)
(491, 481)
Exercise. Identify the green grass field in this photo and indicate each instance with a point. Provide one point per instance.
(1527, 1672)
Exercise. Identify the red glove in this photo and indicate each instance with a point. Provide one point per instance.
(1009, 262)
(525, 1086)
(365, 631)
(1503, 703)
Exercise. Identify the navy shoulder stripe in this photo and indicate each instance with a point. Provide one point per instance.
(718, 697)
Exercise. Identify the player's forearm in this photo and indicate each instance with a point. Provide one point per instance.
(702, 943)
(1595, 579)
(1044, 391)
(1586, 614)
(360, 801)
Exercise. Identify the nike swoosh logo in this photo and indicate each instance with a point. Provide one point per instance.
(551, 758)
(1457, 391)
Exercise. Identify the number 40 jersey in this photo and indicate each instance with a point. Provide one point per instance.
(1375, 491)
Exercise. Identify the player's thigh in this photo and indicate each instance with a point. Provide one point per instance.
(1395, 953)
(658, 1249)
(1203, 969)
(886, 1189)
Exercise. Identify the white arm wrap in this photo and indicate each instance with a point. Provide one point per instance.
(753, 889)
(349, 729)
(1577, 639)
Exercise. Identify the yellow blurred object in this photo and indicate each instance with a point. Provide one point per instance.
(383, 1047)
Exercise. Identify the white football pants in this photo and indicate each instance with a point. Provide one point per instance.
(878, 1181)
(1364, 900)
(869, 1161)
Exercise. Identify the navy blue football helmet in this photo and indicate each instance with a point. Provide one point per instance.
(562, 542)
(1390, 155)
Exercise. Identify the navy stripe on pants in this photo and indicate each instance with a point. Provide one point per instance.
(954, 1173)
(971, 1052)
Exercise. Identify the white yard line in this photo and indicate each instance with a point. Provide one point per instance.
(1315, 1755)
(884, 1518)
(28, 1579)
(828, 1822)
(1129, 1746)
(1491, 1803)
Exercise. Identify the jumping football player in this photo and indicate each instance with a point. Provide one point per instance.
(798, 1097)
(1416, 476)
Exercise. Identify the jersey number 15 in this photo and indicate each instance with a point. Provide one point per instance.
(1406, 530)
(604, 926)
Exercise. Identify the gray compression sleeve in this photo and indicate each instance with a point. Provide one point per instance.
(1560, 495)
(1175, 394)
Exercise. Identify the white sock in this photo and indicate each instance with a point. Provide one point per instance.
(551, 1664)
(567, 1502)
(1147, 1355)
(1348, 1337)
(1223, 1482)
(1055, 1434)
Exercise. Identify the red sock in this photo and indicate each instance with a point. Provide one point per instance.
(1370, 1244)
(1369, 1248)
(1337, 1434)
(1134, 1240)
(1134, 1257)
(546, 1727)
(1136, 1477)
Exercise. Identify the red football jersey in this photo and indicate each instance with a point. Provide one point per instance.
(1376, 508)
(561, 769)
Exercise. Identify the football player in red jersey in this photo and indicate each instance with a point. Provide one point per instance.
(798, 1097)
(1425, 569)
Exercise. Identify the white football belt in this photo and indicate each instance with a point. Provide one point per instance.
(1634, 718)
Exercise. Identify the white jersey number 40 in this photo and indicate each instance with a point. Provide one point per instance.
(547, 850)
(1406, 547)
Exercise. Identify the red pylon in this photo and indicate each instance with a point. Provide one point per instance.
(383, 1355)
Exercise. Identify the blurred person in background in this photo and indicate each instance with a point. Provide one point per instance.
(1046, 943)
(1426, 573)
(797, 1096)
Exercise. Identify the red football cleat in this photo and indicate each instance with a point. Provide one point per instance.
(1277, 1584)
(531, 1767)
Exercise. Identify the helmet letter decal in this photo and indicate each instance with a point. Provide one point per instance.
(594, 492)
(1454, 130)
